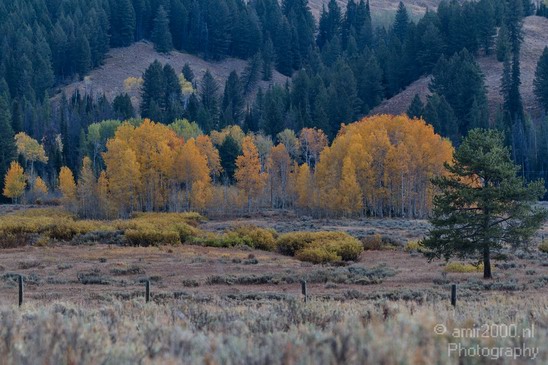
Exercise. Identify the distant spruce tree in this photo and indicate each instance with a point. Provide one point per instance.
(416, 108)
(252, 73)
(7, 145)
(152, 91)
(209, 98)
(541, 80)
(161, 36)
(188, 73)
(123, 23)
(503, 47)
(82, 56)
(267, 54)
(483, 206)
(233, 102)
(123, 107)
(461, 82)
(229, 151)
(401, 23)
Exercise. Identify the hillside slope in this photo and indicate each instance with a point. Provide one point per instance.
(132, 61)
(381, 7)
(535, 30)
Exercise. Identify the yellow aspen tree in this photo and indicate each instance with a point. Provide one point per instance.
(31, 150)
(123, 175)
(304, 187)
(87, 190)
(312, 142)
(350, 195)
(394, 159)
(67, 186)
(190, 168)
(103, 198)
(280, 168)
(289, 139)
(202, 194)
(14, 182)
(39, 189)
(250, 180)
(205, 145)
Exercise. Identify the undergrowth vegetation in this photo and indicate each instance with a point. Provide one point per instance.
(261, 332)
(44, 226)
(543, 247)
(461, 267)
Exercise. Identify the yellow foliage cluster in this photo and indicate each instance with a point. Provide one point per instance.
(14, 182)
(543, 247)
(320, 247)
(148, 167)
(56, 224)
(459, 267)
(133, 84)
(381, 165)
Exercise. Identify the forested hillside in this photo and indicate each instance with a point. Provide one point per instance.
(270, 68)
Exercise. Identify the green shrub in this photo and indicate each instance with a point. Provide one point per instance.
(543, 247)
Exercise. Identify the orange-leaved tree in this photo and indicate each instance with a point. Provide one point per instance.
(67, 186)
(15, 182)
(248, 173)
(391, 159)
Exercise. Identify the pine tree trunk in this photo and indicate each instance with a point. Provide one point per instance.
(487, 263)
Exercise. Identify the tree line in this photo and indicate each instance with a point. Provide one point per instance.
(380, 166)
(341, 67)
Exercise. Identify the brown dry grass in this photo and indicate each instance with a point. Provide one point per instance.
(535, 30)
(55, 270)
(416, 7)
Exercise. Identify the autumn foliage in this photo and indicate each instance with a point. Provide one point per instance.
(14, 182)
(379, 166)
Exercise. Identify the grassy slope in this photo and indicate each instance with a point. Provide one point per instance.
(132, 61)
(535, 30)
(380, 6)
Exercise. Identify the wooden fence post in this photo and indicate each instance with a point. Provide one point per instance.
(303, 288)
(20, 290)
(147, 291)
(454, 295)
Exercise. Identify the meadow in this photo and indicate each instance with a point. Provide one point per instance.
(229, 292)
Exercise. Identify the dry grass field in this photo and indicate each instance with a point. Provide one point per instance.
(84, 301)
(95, 272)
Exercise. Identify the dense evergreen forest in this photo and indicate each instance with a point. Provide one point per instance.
(341, 67)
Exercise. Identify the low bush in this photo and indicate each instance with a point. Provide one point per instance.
(543, 247)
(320, 247)
(372, 242)
(460, 267)
(256, 237)
(415, 246)
(139, 237)
(317, 255)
